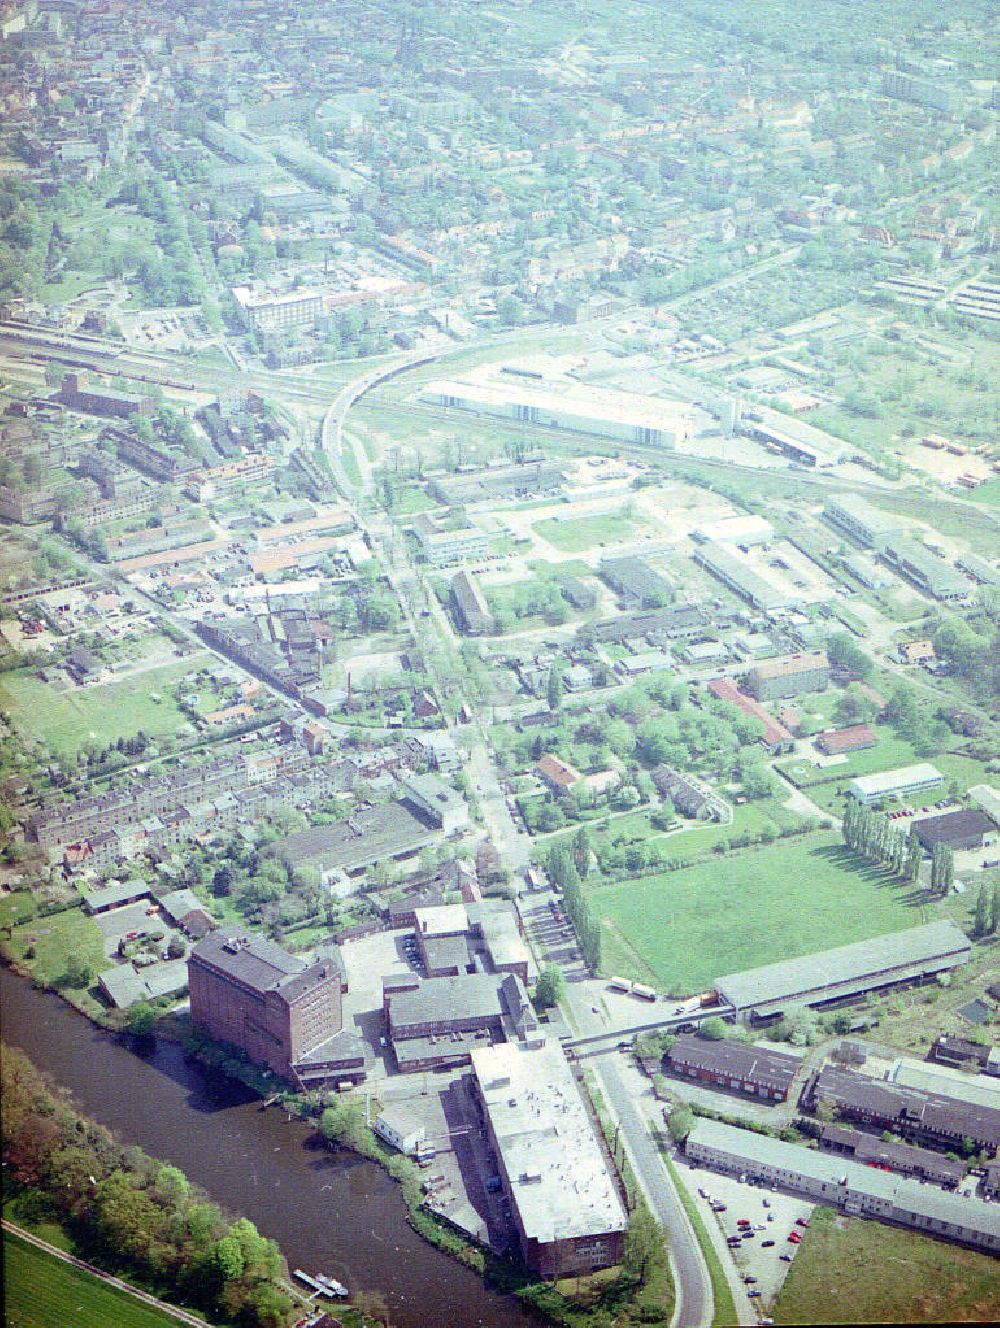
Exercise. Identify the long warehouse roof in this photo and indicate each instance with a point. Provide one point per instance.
(828, 968)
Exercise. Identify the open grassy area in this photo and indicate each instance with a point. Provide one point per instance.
(682, 929)
(826, 783)
(40, 1291)
(66, 720)
(855, 1271)
(578, 533)
(53, 940)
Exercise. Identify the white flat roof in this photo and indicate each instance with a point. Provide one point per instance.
(551, 1154)
(904, 777)
(596, 403)
(987, 799)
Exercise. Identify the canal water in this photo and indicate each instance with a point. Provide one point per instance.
(330, 1213)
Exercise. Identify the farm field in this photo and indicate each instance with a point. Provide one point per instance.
(579, 533)
(682, 929)
(66, 721)
(853, 1271)
(40, 1291)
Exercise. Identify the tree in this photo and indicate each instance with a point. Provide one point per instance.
(942, 868)
(846, 655)
(914, 860)
(644, 1241)
(227, 1258)
(175, 947)
(78, 972)
(995, 910)
(714, 1029)
(554, 691)
(680, 1124)
(582, 851)
(981, 924)
(549, 987)
(141, 1018)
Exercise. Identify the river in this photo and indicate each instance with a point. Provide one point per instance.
(331, 1213)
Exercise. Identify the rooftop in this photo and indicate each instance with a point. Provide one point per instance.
(759, 1064)
(952, 827)
(789, 665)
(887, 781)
(907, 1194)
(257, 963)
(553, 1159)
(845, 963)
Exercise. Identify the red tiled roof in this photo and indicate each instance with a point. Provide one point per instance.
(726, 690)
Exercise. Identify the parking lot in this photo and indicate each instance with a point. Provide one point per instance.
(772, 1214)
(117, 923)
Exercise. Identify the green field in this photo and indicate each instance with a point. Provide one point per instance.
(54, 939)
(890, 753)
(854, 1271)
(578, 533)
(66, 721)
(40, 1291)
(683, 929)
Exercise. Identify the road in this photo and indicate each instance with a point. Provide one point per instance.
(694, 1307)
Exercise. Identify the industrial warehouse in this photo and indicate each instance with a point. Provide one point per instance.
(849, 970)
(852, 1188)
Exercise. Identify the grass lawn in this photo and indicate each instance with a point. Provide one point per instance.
(16, 907)
(856, 1271)
(988, 493)
(412, 499)
(65, 721)
(40, 1291)
(683, 929)
(54, 939)
(578, 533)
(349, 461)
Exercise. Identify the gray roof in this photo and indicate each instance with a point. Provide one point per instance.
(448, 1000)
(847, 963)
(952, 827)
(870, 1148)
(940, 576)
(909, 1197)
(125, 985)
(933, 1113)
(722, 562)
(118, 892)
(759, 1065)
(364, 837)
(251, 960)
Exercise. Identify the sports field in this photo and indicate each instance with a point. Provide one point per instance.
(40, 1291)
(853, 1271)
(680, 930)
(66, 720)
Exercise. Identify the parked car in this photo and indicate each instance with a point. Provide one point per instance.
(794, 1238)
(802, 1221)
(766, 1244)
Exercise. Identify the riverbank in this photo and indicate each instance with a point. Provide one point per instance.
(131, 1214)
(328, 1210)
(577, 1302)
